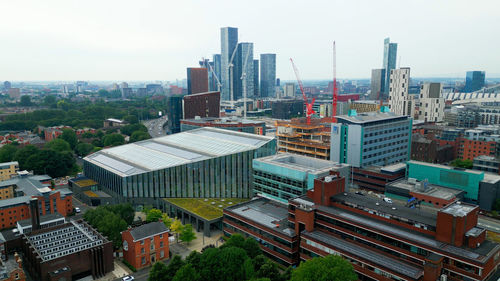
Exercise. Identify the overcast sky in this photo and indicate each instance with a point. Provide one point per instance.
(156, 40)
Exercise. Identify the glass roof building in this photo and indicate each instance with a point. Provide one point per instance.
(201, 163)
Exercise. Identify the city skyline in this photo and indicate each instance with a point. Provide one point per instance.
(66, 40)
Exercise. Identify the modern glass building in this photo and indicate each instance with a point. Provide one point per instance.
(201, 163)
(255, 78)
(267, 75)
(217, 69)
(245, 52)
(229, 42)
(284, 176)
(389, 63)
(377, 84)
(474, 80)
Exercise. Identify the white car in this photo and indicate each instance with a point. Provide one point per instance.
(128, 278)
(388, 200)
(77, 210)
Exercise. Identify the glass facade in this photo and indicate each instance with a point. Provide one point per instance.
(229, 41)
(267, 75)
(390, 53)
(220, 177)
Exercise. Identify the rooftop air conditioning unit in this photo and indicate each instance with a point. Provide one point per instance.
(328, 179)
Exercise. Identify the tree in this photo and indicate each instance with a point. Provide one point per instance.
(70, 136)
(462, 163)
(24, 153)
(131, 119)
(58, 145)
(49, 100)
(54, 163)
(270, 270)
(113, 140)
(173, 267)
(236, 240)
(166, 220)
(138, 136)
(83, 149)
(25, 100)
(131, 128)
(186, 273)
(252, 247)
(194, 258)
(107, 222)
(158, 272)
(153, 215)
(176, 227)
(232, 259)
(7, 153)
(187, 235)
(125, 211)
(329, 268)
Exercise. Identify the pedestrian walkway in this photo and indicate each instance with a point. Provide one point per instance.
(183, 249)
(120, 271)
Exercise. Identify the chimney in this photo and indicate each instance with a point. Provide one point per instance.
(35, 214)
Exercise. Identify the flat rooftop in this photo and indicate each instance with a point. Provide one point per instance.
(368, 117)
(300, 162)
(458, 209)
(433, 190)
(175, 150)
(366, 254)
(223, 120)
(266, 212)
(206, 208)
(443, 167)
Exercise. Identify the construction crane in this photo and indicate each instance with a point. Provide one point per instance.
(309, 106)
(243, 77)
(211, 69)
(335, 90)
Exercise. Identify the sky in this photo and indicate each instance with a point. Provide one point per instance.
(156, 40)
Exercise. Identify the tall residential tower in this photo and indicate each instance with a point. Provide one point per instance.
(267, 75)
(389, 63)
(229, 42)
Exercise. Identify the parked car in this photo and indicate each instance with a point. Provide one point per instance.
(388, 200)
(128, 278)
(77, 210)
(360, 193)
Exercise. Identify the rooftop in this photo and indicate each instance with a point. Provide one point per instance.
(206, 208)
(266, 212)
(368, 117)
(147, 230)
(43, 219)
(6, 164)
(443, 167)
(223, 120)
(436, 191)
(175, 150)
(458, 209)
(300, 162)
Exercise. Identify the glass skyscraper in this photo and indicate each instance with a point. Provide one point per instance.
(474, 81)
(267, 75)
(390, 54)
(244, 49)
(217, 68)
(229, 42)
(256, 78)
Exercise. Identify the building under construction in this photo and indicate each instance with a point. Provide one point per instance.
(305, 138)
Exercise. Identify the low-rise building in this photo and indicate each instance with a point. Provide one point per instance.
(487, 164)
(429, 150)
(226, 123)
(146, 244)
(11, 269)
(376, 178)
(7, 171)
(112, 122)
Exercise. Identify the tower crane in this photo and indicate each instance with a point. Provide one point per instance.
(309, 106)
(211, 69)
(335, 90)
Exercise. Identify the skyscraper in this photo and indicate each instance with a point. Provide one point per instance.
(474, 81)
(217, 68)
(389, 63)
(229, 42)
(267, 75)
(245, 52)
(377, 84)
(256, 78)
(400, 101)
(197, 80)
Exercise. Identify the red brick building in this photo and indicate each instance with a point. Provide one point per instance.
(470, 149)
(146, 244)
(197, 80)
(203, 104)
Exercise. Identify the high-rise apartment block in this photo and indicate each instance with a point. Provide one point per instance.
(217, 60)
(474, 81)
(197, 80)
(389, 63)
(289, 90)
(267, 75)
(399, 100)
(431, 103)
(256, 78)
(229, 42)
(377, 84)
(244, 71)
(370, 139)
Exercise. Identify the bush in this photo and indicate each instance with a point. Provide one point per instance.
(129, 266)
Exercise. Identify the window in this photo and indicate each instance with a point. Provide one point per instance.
(161, 236)
(142, 242)
(152, 246)
(143, 251)
(161, 244)
(143, 260)
(162, 254)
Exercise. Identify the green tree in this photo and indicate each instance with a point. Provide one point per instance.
(158, 272)
(131, 119)
(70, 136)
(186, 273)
(7, 153)
(269, 270)
(252, 247)
(236, 240)
(166, 220)
(108, 223)
(462, 163)
(25, 101)
(113, 140)
(58, 145)
(51, 162)
(153, 215)
(139, 135)
(125, 211)
(187, 235)
(329, 268)
(83, 149)
(23, 154)
(176, 227)
(131, 128)
(49, 100)
(194, 258)
(173, 267)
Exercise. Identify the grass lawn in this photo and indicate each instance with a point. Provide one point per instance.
(207, 208)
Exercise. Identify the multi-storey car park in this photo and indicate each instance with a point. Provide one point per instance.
(201, 163)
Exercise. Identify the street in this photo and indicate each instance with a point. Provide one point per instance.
(155, 126)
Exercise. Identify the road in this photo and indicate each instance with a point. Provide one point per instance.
(489, 224)
(155, 126)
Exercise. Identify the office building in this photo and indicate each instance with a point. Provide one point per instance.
(152, 89)
(197, 80)
(7, 171)
(368, 139)
(267, 75)
(232, 123)
(389, 63)
(68, 251)
(377, 85)
(243, 70)
(304, 138)
(266, 221)
(487, 164)
(431, 107)
(285, 175)
(200, 163)
(474, 80)
(289, 90)
(145, 244)
(376, 178)
(400, 101)
(484, 140)
(205, 104)
(287, 109)
(175, 113)
(256, 78)
(229, 42)
(217, 60)
(362, 106)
